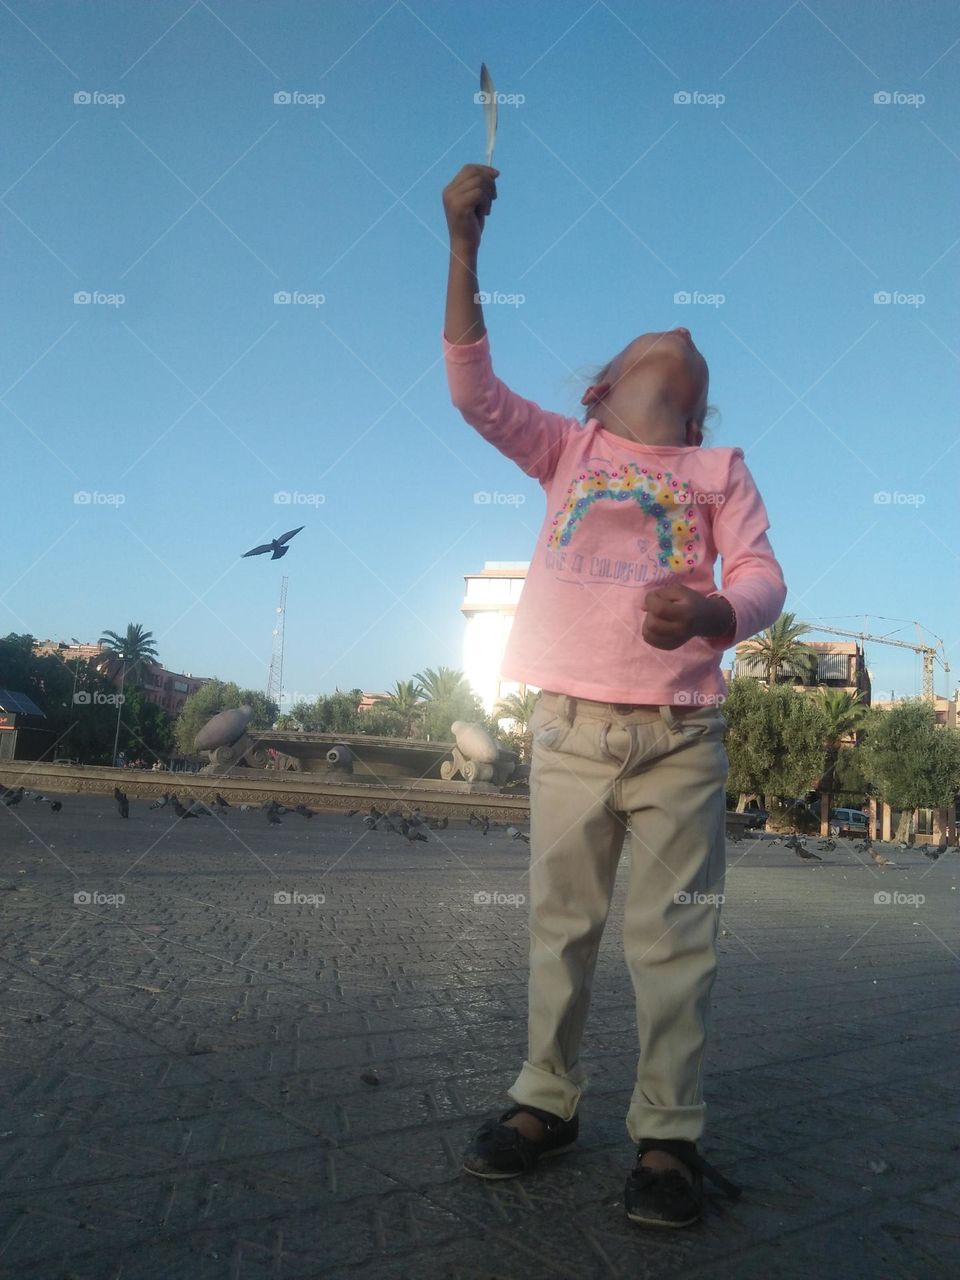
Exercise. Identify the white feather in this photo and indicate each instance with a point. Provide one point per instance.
(489, 99)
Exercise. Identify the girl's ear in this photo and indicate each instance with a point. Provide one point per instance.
(595, 392)
(694, 433)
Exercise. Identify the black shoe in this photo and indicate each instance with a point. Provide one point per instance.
(664, 1197)
(497, 1150)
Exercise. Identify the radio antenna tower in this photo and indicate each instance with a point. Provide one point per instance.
(275, 678)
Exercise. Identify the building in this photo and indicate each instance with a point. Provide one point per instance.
(167, 689)
(947, 710)
(489, 606)
(841, 664)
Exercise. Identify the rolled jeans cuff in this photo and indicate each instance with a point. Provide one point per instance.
(560, 1095)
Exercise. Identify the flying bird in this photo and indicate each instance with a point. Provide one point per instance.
(278, 546)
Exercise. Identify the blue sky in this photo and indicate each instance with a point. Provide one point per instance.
(197, 398)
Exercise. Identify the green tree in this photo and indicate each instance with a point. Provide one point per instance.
(774, 741)
(129, 654)
(405, 701)
(519, 709)
(447, 697)
(216, 696)
(780, 647)
(843, 714)
(912, 762)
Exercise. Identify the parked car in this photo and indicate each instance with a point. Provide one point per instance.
(849, 822)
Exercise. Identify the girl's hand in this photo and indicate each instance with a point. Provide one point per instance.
(675, 614)
(467, 201)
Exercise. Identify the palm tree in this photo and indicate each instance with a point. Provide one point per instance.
(442, 685)
(406, 698)
(132, 651)
(518, 708)
(844, 713)
(128, 654)
(780, 647)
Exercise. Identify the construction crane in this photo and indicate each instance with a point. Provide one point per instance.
(275, 678)
(930, 653)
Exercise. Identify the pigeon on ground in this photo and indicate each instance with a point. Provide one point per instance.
(245, 808)
(164, 800)
(55, 806)
(220, 802)
(303, 811)
(879, 859)
(827, 846)
(413, 835)
(13, 797)
(474, 820)
(37, 797)
(123, 804)
(516, 834)
(930, 852)
(801, 850)
(179, 810)
(353, 813)
(278, 546)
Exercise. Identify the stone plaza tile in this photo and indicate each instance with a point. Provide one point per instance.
(183, 1085)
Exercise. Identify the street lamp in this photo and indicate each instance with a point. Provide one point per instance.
(116, 736)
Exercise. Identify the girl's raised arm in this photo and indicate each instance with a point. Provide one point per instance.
(466, 201)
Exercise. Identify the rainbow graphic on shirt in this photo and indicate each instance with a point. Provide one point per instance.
(659, 494)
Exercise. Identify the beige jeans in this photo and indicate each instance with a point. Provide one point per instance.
(663, 769)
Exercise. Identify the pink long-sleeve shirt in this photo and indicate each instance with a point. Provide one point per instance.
(621, 517)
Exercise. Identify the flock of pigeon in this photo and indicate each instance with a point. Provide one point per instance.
(415, 827)
(799, 847)
(12, 796)
(411, 829)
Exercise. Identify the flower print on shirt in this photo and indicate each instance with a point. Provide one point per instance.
(659, 494)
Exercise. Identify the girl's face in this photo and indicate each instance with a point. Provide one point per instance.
(654, 368)
(669, 360)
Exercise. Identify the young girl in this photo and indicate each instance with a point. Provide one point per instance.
(622, 628)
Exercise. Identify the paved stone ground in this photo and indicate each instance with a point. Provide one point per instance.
(182, 1073)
